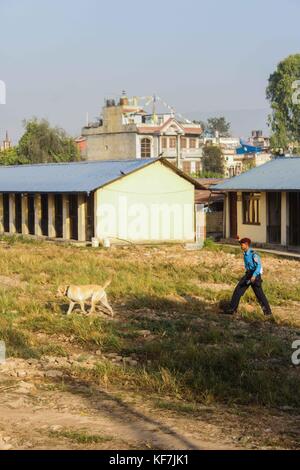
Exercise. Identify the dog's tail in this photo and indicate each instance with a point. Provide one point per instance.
(107, 283)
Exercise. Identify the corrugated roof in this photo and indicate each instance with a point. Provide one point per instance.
(76, 177)
(66, 177)
(279, 174)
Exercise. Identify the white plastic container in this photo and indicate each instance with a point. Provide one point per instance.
(95, 243)
(106, 243)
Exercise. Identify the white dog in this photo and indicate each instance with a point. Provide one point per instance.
(81, 294)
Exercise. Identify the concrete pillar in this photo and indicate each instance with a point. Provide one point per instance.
(284, 221)
(82, 215)
(51, 216)
(200, 223)
(12, 214)
(1, 214)
(178, 151)
(24, 200)
(37, 215)
(66, 217)
(97, 222)
(227, 216)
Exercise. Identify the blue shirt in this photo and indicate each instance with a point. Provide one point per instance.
(252, 262)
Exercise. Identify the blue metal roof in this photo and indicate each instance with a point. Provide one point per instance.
(66, 177)
(279, 174)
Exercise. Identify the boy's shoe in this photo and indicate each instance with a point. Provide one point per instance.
(229, 312)
(270, 317)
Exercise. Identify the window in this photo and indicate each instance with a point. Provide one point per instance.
(172, 142)
(146, 148)
(164, 142)
(193, 143)
(251, 208)
(183, 142)
(186, 166)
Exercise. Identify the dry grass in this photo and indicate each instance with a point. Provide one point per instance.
(194, 354)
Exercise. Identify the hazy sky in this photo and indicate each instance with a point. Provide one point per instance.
(61, 58)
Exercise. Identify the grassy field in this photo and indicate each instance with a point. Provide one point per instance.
(183, 353)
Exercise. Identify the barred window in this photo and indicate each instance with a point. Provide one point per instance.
(146, 148)
(193, 143)
(183, 142)
(172, 142)
(251, 215)
(164, 142)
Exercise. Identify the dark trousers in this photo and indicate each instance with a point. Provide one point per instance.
(241, 288)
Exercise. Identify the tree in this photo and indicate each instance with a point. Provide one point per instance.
(11, 157)
(220, 125)
(42, 143)
(282, 89)
(213, 160)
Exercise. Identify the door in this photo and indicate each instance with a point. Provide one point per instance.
(233, 215)
(274, 217)
(294, 219)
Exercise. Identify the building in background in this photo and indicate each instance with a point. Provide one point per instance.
(264, 204)
(125, 131)
(6, 143)
(259, 140)
(144, 200)
(213, 206)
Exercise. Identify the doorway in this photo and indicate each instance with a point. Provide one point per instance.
(90, 217)
(274, 217)
(6, 212)
(31, 215)
(233, 215)
(44, 209)
(73, 214)
(18, 212)
(58, 208)
(294, 219)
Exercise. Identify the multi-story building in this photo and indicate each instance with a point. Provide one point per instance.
(259, 140)
(239, 158)
(126, 131)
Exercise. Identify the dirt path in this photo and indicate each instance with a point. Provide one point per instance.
(43, 407)
(39, 415)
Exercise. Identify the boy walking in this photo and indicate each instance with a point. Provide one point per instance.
(251, 278)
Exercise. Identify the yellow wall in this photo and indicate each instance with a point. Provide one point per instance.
(257, 233)
(152, 204)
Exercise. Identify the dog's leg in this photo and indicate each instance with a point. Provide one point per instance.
(70, 307)
(104, 302)
(82, 306)
(93, 307)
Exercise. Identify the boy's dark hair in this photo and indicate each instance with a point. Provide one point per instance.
(245, 240)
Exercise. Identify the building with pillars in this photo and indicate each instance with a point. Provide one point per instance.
(264, 204)
(125, 131)
(146, 200)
